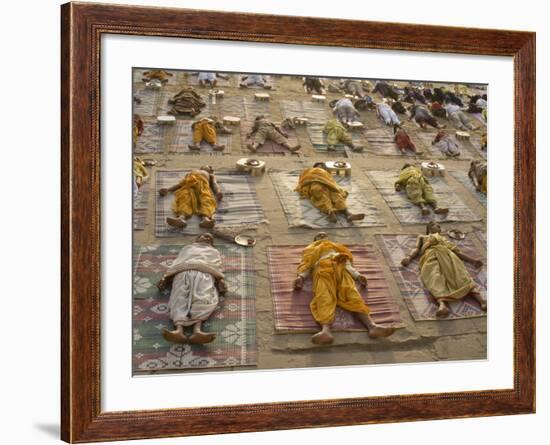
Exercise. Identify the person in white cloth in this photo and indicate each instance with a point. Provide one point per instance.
(197, 280)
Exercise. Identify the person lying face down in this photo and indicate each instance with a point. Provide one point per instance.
(264, 130)
(413, 95)
(478, 175)
(186, 102)
(330, 266)
(197, 193)
(421, 115)
(442, 269)
(353, 87)
(387, 115)
(206, 129)
(337, 133)
(385, 90)
(403, 140)
(318, 186)
(156, 75)
(344, 110)
(446, 144)
(313, 84)
(457, 117)
(210, 79)
(418, 188)
(196, 280)
(250, 80)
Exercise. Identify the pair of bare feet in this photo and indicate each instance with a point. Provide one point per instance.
(443, 310)
(350, 217)
(292, 148)
(181, 223)
(197, 337)
(437, 210)
(325, 337)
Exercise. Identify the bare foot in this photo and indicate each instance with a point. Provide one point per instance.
(377, 331)
(442, 312)
(174, 336)
(332, 217)
(441, 210)
(202, 337)
(176, 222)
(294, 148)
(355, 217)
(219, 147)
(251, 147)
(207, 223)
(194, 147)
(425, 211)
(322, 338)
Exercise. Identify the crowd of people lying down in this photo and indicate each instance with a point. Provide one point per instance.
(392, 104)
(196, 280)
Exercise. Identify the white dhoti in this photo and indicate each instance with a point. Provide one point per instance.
(193, 298)
(194, 295)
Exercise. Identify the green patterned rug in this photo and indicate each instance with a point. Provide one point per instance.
(234, 321)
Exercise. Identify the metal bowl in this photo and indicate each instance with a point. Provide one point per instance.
(245, 240)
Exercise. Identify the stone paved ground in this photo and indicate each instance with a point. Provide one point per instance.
(417, 341)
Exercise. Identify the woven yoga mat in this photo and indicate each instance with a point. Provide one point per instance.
(291, 310)
(234, 321)
(420, 303)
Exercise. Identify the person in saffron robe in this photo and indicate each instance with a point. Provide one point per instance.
(196, 280)
(418, 189)
(337, 133)
(161, 75)
(206, 129)
(442, 269)
(330, 266)
(197, 193)
(478, 175)
(318, 185)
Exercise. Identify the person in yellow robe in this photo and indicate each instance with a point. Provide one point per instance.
(318, 185)
(197, 193)
(442, 269)
(337, 133)
(140, 172)
(137, 128)
(156, 75)
(478, 175)
(418, 189)
(330, 266)
(205, 129)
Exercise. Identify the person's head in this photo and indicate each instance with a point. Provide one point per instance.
(259, 117)
(406, 165)
(320, 165)
(207, 168)
(205, 238)
(320, 236)
(433, 227)
(441, 134)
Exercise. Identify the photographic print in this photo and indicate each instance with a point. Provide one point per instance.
(283, 221)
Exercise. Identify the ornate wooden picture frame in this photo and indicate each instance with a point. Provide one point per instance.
(82, 27)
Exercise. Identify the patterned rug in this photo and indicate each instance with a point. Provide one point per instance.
(149, 101)
(408, 213)
(239, 206)
(316, 112)
(420, 303)
(141, 203)
(234, 321)
(465, 180)
(301, 213)
(184, 137)
(152, 138)
(291, 310)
